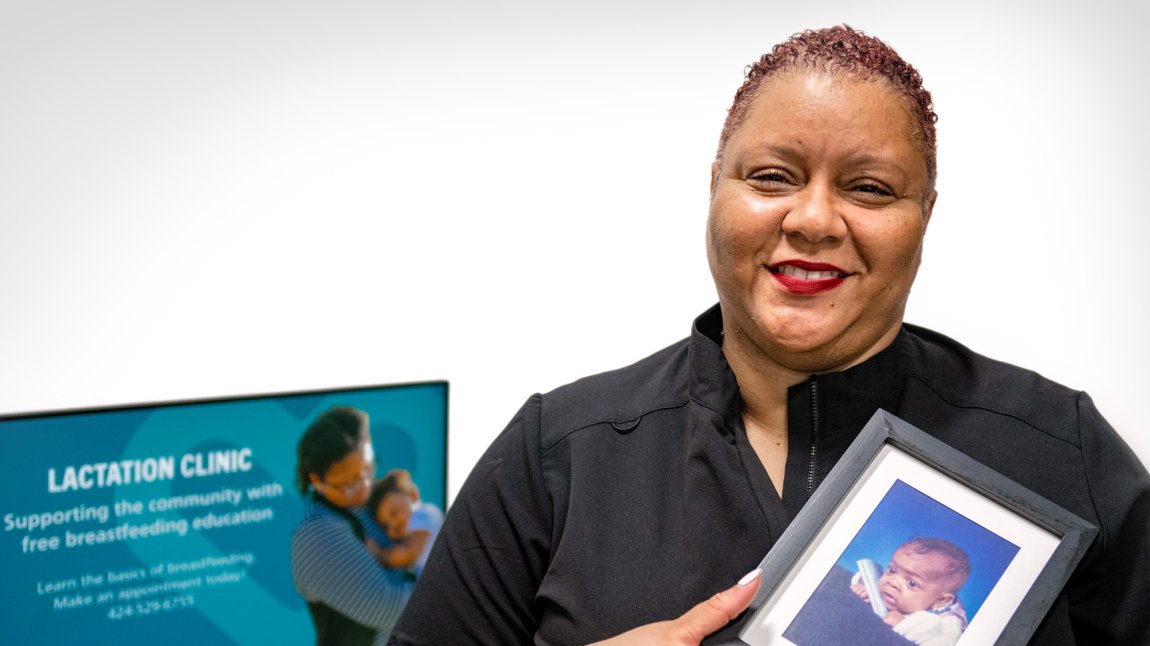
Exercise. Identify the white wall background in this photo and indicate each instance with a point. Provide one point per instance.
(209, 198)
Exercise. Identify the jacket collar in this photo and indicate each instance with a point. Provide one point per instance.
(847, 398)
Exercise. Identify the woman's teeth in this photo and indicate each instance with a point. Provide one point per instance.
(803, 274)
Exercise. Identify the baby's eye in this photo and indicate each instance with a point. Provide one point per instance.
(890, 569)
(912, 584)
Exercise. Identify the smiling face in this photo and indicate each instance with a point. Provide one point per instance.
(915, 581)
(820, 202)
(348, 482)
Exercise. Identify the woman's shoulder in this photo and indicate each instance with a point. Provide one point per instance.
(964, 378)
(657, 382)
(319, 523)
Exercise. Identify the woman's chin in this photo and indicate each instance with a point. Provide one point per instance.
(817, 345)
(803, 341)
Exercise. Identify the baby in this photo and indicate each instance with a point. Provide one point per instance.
(411, 524)
(920, 590)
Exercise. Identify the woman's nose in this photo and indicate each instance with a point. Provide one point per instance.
(814, 215)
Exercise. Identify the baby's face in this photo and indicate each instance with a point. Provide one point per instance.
(914, 582)
(393, 513)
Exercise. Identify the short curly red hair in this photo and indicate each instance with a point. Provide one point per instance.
(843, 50)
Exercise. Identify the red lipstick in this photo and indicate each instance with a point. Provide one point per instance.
(804, 277)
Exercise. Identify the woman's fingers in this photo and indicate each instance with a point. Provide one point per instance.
(698, 622)
(716, 612)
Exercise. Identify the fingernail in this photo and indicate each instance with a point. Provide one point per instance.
(750, 576)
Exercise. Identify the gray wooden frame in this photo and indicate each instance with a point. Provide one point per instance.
(885, 428)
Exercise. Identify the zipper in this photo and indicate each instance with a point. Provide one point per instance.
(814, 435)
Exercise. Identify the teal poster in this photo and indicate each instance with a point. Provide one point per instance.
(173, 523)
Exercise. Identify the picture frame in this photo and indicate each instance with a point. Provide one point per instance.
(894, 480)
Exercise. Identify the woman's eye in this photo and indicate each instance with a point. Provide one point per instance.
(871, 191)
(769, 177)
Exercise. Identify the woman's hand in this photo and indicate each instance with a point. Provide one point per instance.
(698, 622)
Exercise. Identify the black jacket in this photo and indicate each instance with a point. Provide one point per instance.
(628, 497)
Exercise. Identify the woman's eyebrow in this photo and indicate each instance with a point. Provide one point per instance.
(865, 158)
(878, 161)
(781, 150)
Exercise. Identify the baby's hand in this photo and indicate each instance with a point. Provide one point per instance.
(860, 590)
(893, 617)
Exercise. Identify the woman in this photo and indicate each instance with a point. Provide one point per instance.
(351, 598)
(627, 498)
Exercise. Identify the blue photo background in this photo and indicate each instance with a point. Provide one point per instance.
(245, 595)
(905, 512)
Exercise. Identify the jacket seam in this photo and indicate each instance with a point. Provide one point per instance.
(570, 432)
(1077, 445)
(1102, 534)
(544, 486)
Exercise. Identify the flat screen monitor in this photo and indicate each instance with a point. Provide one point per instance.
(172, 522)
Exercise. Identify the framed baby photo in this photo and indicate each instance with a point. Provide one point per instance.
(909, 541)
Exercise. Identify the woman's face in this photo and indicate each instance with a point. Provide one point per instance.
(819, 206)
(348, 482)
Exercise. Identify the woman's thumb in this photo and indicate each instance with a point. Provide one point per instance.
(716, 612)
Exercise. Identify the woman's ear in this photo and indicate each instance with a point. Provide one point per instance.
(928, 209)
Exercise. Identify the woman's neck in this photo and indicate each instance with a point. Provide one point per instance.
(763, 382)
(763, 386)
